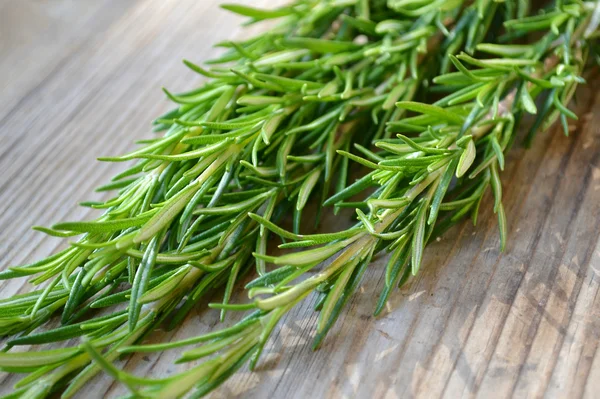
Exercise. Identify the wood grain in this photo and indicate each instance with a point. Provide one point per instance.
(81, 79)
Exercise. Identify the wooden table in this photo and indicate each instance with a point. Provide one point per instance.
(81, 79)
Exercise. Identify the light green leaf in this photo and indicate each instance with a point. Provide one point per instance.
(432, 110)
(36, 358)
(466, 159)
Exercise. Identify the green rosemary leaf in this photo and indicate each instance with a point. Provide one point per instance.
(223, 333)
(502, 226)
(105, 226)
(351, 190)
(334, 295)
(431, 110)
(272, 277)
(246, 205)
(440, 192)
(318, 45)
(466, 159)
(396, 267)
(202, 152)
(350, 288)
(364, 25)
(498, 151)
(311, 256)
(25, 360)
(107, 365)
(140, 282)
(496, 186)
(306, 188)
(164, 288)
(75, 296)
(508, 50)
(256, 13)
(208, 349)
(317, 238)
(527, 101)
(54, 233)
(418, 241)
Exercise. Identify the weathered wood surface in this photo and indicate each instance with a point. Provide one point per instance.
(81, 79)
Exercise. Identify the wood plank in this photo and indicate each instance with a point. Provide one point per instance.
(474, 323)
(39, 37)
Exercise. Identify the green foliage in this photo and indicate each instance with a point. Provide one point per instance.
(277, 125)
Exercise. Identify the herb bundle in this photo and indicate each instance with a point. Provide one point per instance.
(277, 125)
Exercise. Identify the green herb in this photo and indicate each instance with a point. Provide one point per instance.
(274, 128)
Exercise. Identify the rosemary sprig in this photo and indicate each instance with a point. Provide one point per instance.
(273, 130)
(425, 184)
(231, 147)
(259, 137)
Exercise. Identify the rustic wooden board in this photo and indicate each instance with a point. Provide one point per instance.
(80, 79)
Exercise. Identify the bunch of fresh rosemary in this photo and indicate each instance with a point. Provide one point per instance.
(272, 129)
